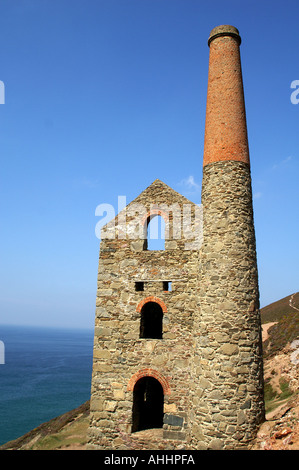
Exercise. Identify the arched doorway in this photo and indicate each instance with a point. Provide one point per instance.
(148, 404)
(151, 321)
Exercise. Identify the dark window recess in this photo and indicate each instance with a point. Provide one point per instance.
(151, 321)
(167, 286)
(139, 286)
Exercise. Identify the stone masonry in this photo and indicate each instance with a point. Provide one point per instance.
(121, 356)
(228, 401)
(180, 367)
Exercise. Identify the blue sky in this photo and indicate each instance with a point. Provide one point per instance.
(104, 96)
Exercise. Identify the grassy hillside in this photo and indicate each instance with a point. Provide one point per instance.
(286, 327)
(283, 332)
(276, 310)
(68, 431)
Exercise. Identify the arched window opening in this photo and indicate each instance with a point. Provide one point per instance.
(155, 235)
(148, 404)
(151, 322)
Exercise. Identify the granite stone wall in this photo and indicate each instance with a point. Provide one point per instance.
(228, 404)
(121, 357)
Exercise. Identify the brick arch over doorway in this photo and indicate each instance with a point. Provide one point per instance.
(151, 299)
(149, 373)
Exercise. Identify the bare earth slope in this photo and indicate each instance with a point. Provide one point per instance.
(280, 322)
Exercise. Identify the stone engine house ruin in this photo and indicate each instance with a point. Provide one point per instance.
(177, 344)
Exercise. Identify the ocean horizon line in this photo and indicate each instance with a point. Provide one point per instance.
(52, 327)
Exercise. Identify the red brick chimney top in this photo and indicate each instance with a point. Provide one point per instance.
(224, 30)
(226, 130)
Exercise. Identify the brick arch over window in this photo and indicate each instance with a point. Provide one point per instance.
(149, 373)
(155, 211)
(151, 299)
(152, 240)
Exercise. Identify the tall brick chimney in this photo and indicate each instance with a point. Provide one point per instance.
(226, 131)
(228, 370)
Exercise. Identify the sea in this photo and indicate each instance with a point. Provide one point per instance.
(44, 372)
